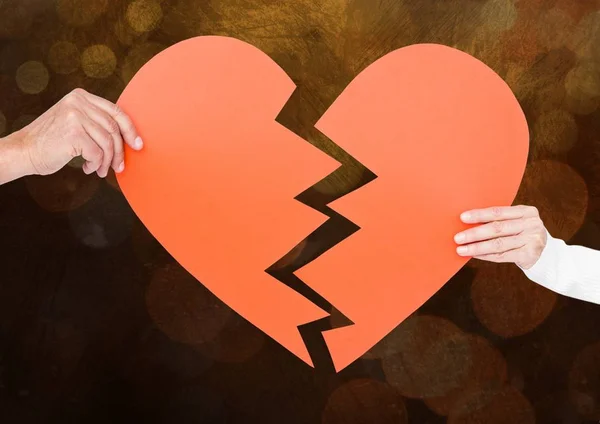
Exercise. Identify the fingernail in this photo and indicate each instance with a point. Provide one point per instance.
(120, 167)
(461, 250)
(466, 216)
(138, 143)
(459, 238)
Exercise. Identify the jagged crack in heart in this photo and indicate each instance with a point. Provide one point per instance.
(335, 230)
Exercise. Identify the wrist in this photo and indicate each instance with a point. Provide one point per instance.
(17, 154)
(23, 141)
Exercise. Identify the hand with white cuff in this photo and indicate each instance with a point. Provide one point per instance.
(517, 235)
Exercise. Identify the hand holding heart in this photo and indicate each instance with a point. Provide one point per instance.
(80, 124)
(506, 234)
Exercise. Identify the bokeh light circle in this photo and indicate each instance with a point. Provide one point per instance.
(554, 132)
(559, 193)
(32, 77)
(489, 371)
(144, 15)
(500, 406)
(582, 85)
(98, 61)
(425, 356)
(63, 57)
(507, 302)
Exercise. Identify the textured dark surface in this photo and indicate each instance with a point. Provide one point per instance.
(99, 324)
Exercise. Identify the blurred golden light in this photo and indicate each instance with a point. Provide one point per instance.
(183, 308)
(498, 16)
(521, 45)
(554, 132)
(489, 370)
(585, 38)
(364, 401)
(506, 302)
(553, 25)
(425, 356)
(125, 34)
(80, 12)
(494, 406)
(32, 77)
(363, 45)
(559, 193)
(63, 57)
(144, 15)
(98, 61)
(578, 10)
(274, 26)
(582, 85)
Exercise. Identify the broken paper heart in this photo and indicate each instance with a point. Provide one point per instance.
(217, 179)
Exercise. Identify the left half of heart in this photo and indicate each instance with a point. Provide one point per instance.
(217, 180)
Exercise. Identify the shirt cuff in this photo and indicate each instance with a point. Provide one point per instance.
(544, 271)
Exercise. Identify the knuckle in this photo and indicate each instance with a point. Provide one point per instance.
(107, 144)
(496, 212)
(113, 127)
(498, 243)
(75, 96)
(497, 227)
(118, 156)
(72, 115)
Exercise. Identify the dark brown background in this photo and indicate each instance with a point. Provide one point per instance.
(98, 324)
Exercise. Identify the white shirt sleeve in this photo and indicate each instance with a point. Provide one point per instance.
(572, 271)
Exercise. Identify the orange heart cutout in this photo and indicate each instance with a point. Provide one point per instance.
(216, 181)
